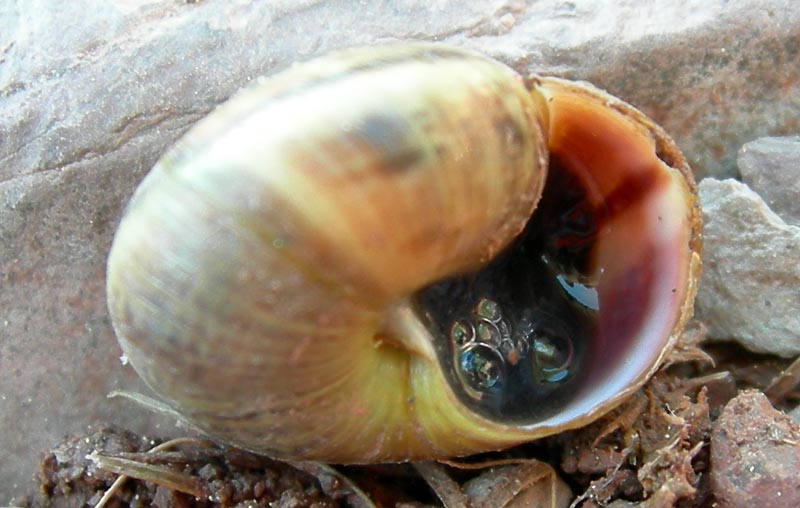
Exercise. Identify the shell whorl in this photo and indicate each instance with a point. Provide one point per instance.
(259, 277)
(354, 261)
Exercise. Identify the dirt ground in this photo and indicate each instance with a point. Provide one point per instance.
(703, 432)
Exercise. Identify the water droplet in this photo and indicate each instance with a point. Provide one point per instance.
(489, 310)
(462, 333)
(489, 333)
(552, 355)
(480, 369)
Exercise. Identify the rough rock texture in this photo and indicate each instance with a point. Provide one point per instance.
(755, 455)
(771, 167)
(794, 414)
(93, 91)
(750, 287)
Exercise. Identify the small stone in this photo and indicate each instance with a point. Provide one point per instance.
(794, 414)
(750, 288)
(755, 455)
(771, 167)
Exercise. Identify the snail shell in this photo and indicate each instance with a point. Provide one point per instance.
(343, 262)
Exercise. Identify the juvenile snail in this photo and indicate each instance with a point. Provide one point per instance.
(343, 262)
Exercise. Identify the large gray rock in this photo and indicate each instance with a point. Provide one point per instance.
(771, 167)
(750, 288)
(92, 92)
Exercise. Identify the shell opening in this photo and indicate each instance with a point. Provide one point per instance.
(514, 337)
(580, 309)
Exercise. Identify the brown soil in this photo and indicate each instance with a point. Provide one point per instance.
(652, 452)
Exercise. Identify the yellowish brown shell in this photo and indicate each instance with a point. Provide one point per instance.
(264, 278)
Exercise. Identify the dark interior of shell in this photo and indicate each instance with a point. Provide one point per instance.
(583, 304)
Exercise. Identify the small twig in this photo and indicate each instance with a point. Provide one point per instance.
(625, 456)
(121, 479)
(583, 497)
(629, 413)
(699, 382)
(784, 383)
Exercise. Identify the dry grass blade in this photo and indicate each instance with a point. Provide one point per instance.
(151, 404)
(160, 475)
(157, 474)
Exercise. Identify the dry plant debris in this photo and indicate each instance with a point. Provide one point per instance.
(648, 453)
(70, 477)
(654, 451)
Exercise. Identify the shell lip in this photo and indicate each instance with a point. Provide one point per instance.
(659, 236)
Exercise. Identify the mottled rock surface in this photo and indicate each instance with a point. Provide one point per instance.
(794, 414)
(94, 91)
(750, 287)
(755, 455)
(771, 167)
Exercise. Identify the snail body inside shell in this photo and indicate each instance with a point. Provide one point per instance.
(347, 262)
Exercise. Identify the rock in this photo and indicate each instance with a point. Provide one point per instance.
(771, 167)
(750, 287)
(94, 91)
(794, 414)
(755, 455)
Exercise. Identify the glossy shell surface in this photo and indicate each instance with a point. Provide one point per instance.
(281, 276)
